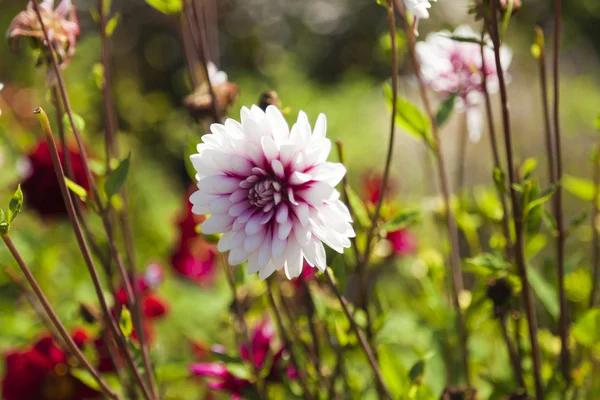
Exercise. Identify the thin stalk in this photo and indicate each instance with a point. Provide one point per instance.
(517, 214)
(462, 143)
(60, 175)
(66, 337)
(309, 305)
(203, 55)
(545, 106)
(363, 299)
(496, 155)
(595, 238)
(188, 48)
(364, 344)
(565, 355)
(457, 279)
(246, 339)
(287, 309)
(112, 150)
(287, 343)
(512, 352)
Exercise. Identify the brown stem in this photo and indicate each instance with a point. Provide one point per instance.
(112, 150)
(457, 279)
(462, 144)
(565, 356)
(517, 214)
(496, 155)
(595, 238)
(66, 337)
(359, 334)
(202, 53)
(188, 47)
(241, 320)
(288, 344)
(60, 175)
(309, 305)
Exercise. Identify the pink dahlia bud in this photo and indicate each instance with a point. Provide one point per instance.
(61, 22)
(450, 66)
(271, 192)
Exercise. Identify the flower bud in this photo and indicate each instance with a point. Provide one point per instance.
(500, 292)
(269, 98)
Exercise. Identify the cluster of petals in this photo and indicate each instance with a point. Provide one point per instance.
(419, 8)
(43, 372)
(193, 257)
(264, 352)
(271, 192)
(61, 23)
(450, 66)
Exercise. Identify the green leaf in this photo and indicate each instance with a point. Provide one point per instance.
(383, 3)
(77, 189)
(543, 197)
(3, 223)
(116, 178)
(544, 291)
(445, 110)
(15, 205)
(358, 207)
(499, 180)
(506, 17)
(77, 119)
(402, 220)
(410, 118)
(112, 24)
(338, 267)
(577, 221)
(166, 6)
(550, 221)
(466, 39)
(528, 167)
(2, 216)
(586, 329)
(125, 322)
(85, 377)
(580, 187)
(489, 261)
(392, 371)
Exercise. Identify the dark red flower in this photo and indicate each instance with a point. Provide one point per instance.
(43, 373)
(194, 257)
(40, 185)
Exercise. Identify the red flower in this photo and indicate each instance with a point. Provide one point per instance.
(262, 347)
(152, 306)
(403, 242)
(194, 257)
(42, 373)
(372, 187)
(40, 185)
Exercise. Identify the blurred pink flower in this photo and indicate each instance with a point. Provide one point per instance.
(271, 192)
(450, 66)
(371, 182)
(61, 22)
(403, 242)
(262, 348)
(194, 257)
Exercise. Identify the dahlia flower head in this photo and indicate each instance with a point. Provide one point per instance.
(271, 192)
(61, 22)
(450, 66)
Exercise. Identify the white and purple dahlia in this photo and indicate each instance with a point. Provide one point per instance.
(271, 192)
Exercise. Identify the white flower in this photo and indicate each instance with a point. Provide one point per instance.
(215, 76)
(271, 192)
(450, 66)
(419, 7)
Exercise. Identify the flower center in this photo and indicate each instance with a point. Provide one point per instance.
(265, 193)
